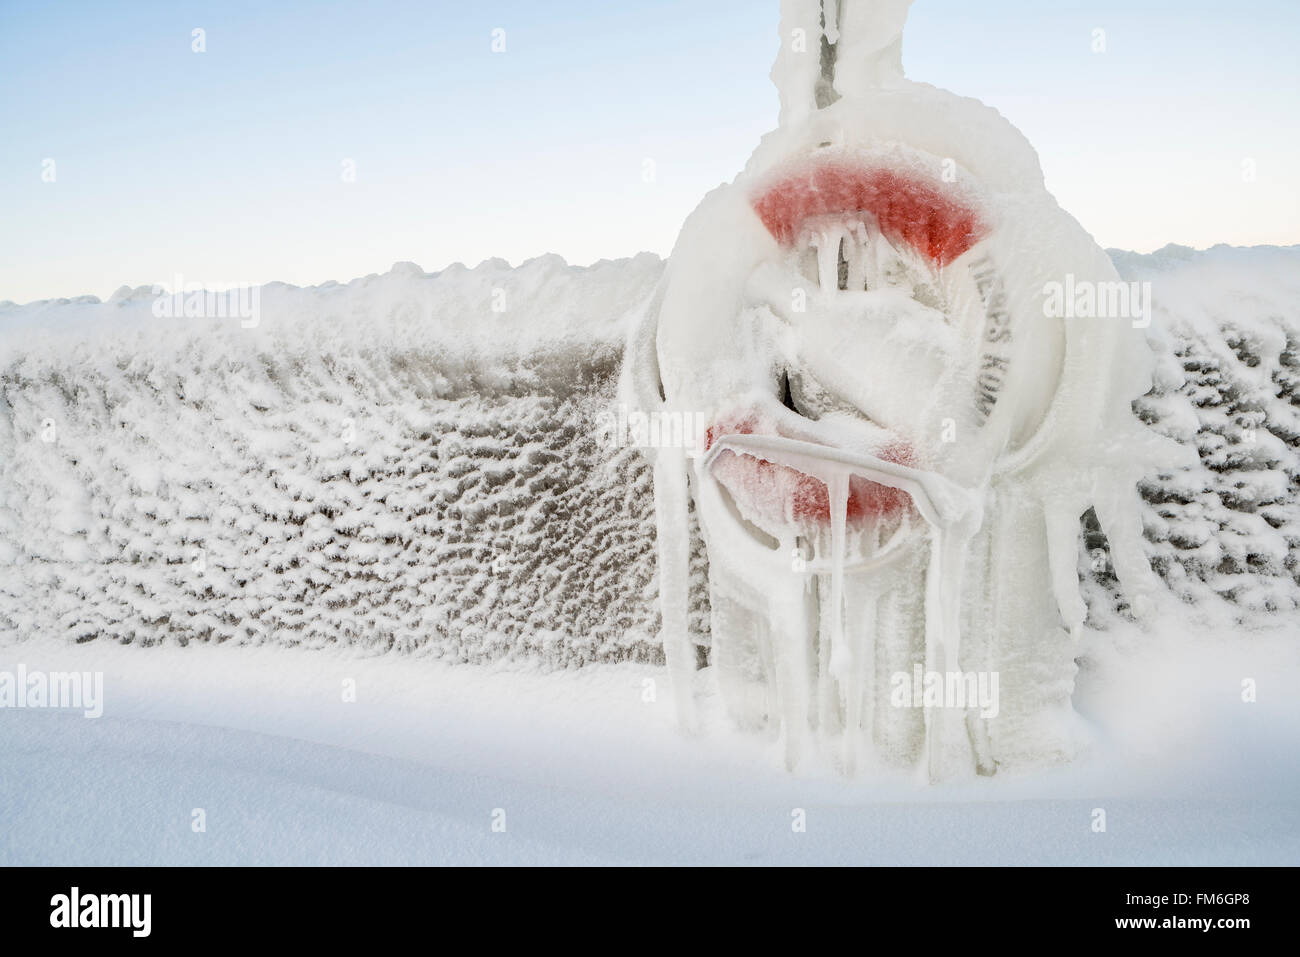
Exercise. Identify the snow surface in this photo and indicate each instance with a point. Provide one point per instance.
(589, 772)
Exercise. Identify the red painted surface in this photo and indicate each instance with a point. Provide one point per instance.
(907, 208)
(777, 490)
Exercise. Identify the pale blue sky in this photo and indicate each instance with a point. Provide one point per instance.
(225, 166)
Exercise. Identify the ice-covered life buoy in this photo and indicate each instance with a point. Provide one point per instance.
(901, 438)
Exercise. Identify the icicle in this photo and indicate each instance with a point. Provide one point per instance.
(1062, 523)
(871, 247)
(933, 653)
(828, 258)
(1118, 512)
(943, 604)
(771, 703)
(673, 532)
(856, 241)
(792, 669)
(859, 693)
(835, 659)
(826, 693)
(841, 663)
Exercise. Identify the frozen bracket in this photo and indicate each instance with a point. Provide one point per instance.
(942, 503)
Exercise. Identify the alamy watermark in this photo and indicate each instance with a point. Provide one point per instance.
(192, 300)
(1090, 299)
(634, 428)
(945, 689)
(74, 909)
(82, 690)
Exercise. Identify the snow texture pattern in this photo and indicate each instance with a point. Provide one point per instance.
(389, 464)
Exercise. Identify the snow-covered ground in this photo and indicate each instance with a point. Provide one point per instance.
(588, 771)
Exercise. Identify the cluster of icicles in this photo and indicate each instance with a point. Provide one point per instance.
(855, 255)
(954, 515)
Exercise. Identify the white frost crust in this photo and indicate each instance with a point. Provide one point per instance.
(1061, 438)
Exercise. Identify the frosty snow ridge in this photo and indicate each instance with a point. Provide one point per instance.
(242, 301)
(57, 689)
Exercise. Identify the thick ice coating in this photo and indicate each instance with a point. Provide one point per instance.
(902, 440)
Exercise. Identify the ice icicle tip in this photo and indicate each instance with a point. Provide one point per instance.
(673, 546)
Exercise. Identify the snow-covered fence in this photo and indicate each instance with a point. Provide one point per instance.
(395, 463)
(1229, 530)
(400, 463)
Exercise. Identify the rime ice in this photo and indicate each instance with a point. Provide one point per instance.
(860, 315)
